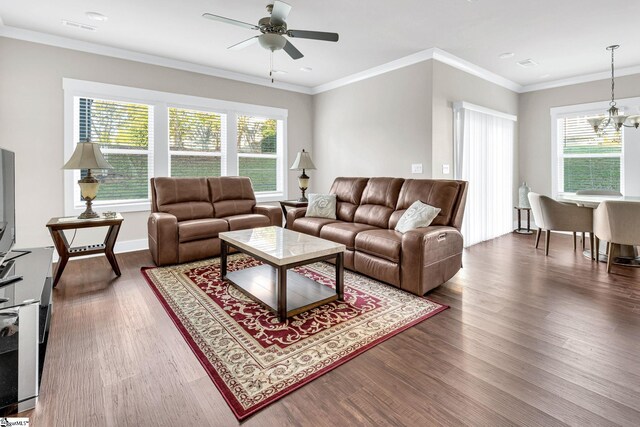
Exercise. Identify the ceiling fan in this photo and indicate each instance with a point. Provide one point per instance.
(273, 29)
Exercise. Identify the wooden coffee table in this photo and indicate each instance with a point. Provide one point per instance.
(273, 284)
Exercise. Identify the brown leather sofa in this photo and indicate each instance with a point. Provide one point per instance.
(367, 211)
(188, 213)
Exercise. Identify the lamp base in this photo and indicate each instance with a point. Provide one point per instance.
(88, 213)
(303, 199)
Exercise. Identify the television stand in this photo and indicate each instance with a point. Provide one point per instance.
(25, 314)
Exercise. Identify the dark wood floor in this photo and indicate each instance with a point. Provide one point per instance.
(529, 340)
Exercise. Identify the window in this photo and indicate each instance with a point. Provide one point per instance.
(195, 142)
(144, 133)
(122, 130)
(586, 160)
(258, 151)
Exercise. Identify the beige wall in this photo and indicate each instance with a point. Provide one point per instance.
(380, 126)
(535, 122)
(450, 85)
(31, 121)
(374, 127)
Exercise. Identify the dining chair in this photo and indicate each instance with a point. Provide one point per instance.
(549, 214)
(617, 222)
(594, 192)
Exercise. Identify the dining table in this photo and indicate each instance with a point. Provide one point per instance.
(628, 254)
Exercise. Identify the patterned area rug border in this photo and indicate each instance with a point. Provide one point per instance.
(237, 409)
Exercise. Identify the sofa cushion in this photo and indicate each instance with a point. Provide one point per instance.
(322, 206)
(199, 229)
(178, 190)
(384, 244)
(344, 232)
(188, 210)
(311, 226)
(184, 198)
(378, 201)
(439, 193)
(348, 193)
(242, 222)
(419, 215)
(231, 195)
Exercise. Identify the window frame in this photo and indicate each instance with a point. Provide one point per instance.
(588, 109)
(159, 118)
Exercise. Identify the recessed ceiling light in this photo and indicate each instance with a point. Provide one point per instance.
(78, 25)
(278, 71)
(527, 63)
(95, 16)
(544, 76)
(306, 69)
(506, 55)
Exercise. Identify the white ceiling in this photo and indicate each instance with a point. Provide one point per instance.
(565, 37)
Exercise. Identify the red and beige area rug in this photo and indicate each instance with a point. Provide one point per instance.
(252, 357)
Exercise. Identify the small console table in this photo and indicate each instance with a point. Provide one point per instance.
(57, 226)
(521, 230)
(284, 204)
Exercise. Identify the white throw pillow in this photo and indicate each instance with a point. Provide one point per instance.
(418, 215)
(322, 206)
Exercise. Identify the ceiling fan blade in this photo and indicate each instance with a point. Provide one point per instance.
(244, 43)
(292, 51)
(316, 35)
(280, 12)
(230, 21)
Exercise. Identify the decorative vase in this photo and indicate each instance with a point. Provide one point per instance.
(523, 193)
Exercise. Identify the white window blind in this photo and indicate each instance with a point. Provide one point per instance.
(259, 151)
(196, 142)
(587, 161)
(125, 134)
(145, 133)
(484, 141)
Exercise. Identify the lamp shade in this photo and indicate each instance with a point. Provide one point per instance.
(87, 156)
(303, 161)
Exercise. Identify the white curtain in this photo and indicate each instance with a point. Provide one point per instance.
(484, 142)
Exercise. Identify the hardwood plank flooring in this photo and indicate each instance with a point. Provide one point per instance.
(528, 340)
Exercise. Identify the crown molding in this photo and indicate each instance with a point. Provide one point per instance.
(424, 55)
(604, 75)
(99, 49)
(475, 70)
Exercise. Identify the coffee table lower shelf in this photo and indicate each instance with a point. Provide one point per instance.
(261, 284)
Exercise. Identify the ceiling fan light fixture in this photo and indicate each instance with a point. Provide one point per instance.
(272, 42)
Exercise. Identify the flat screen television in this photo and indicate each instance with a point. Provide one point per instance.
(7, 202)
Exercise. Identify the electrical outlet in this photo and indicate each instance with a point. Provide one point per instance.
(445, 169)
(416, 168)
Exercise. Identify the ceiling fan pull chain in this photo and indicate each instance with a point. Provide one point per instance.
(271, 66)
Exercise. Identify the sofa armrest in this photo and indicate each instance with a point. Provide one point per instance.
(293, 214)
(430, 257)
(163, 238)
(274, 213)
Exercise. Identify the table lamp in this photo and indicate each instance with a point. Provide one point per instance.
(88, 156)
(302, 162)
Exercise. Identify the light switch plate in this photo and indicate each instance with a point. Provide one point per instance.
(416, 168)
(445, 169)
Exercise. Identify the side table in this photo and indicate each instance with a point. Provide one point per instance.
(284, 204)
(57, 226)
(521, 230)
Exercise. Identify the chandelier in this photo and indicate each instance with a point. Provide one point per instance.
(601, 123)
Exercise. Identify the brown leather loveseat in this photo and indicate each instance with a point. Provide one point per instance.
(367, 211)
(188, 213)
